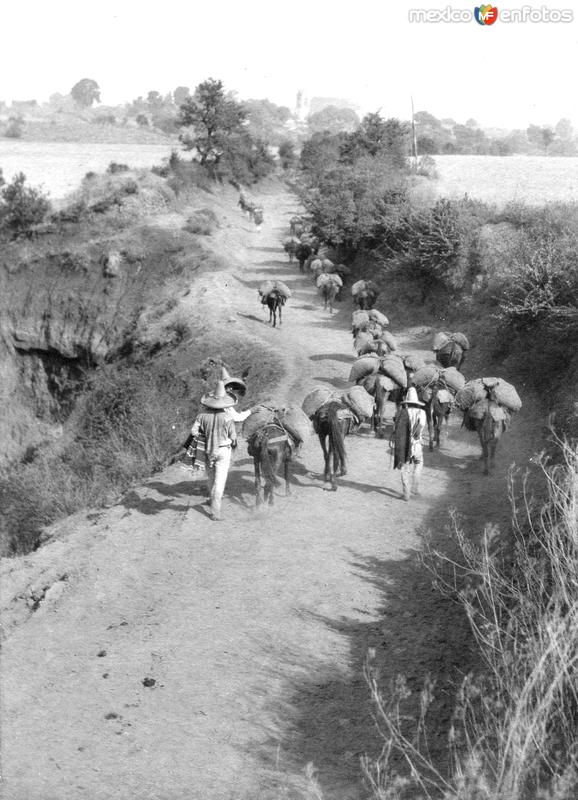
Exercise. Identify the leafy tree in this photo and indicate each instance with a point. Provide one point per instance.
(213, 118)
(142, 120)
(378, 136)
(180, 94)
(86, 92)
(540, 137)
(266, 120)
(21, 206)
(319, 154)
(333, 119)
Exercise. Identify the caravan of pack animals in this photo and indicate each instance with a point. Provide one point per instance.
(391, 394)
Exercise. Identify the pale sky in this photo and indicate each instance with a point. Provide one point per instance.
(367, 50)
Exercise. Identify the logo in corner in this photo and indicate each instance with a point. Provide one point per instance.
(486, 15)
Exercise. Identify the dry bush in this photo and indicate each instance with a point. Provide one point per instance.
(514, 733)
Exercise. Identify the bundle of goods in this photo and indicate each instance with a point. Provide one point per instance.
(364, 343)
(426, 376)
(378, 317)
(389, 340)
(412, 363)
(327, 264)
(392, 366)
(359, 321)
(505, 394)
(366, 365)
(334, 278)
(266, 288)
(316, 264)
(262, 415)
(282, 288)
(322, 280)
(440, 339)
(361, 286)
(372, 382)
(317, 398)
(296, 423)
(359, 400)
(473, 392)
(452, 378)
(461, 339)
(374, 328)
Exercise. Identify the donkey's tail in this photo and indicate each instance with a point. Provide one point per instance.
(269, 468)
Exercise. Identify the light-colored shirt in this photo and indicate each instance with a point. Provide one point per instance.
(218, 430)
(237, 416)
(417, 422)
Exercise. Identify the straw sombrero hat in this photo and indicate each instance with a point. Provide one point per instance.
(218, 398)
(411, 398)
(233, 384)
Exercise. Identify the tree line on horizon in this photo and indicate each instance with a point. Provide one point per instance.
(275, 124)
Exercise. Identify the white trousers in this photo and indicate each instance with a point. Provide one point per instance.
(217, 478)
(410, 476)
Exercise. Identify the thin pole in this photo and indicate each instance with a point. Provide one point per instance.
(414, 139)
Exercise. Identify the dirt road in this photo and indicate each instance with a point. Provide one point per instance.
(152, 653)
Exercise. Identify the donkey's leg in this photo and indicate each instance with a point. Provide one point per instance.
(327, 472)
(280, 307)
(258, 486)
(287, 470)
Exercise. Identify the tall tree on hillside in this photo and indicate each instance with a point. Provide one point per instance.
(86, 92)
(212, 120)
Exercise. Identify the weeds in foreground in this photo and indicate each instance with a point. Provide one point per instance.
(514, 734)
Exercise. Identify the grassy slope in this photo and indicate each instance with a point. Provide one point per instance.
(146, 349)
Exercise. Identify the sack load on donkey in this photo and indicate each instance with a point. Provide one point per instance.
(326, 278)
(260, 416)
(495, 389)
(361, 367)
(384, 381)
(440, 339)
(506, 395)
(360, 401)
(426, 375)
(471, 393)
(364, 343)
(461, 339)
(296, 423)
(282, 288)
(317, 398)
(359, 321)
(393, 366)
(265, 290)
(452, 378)
(413, 363)
(362, 286)
(378, 317)
(389, 340)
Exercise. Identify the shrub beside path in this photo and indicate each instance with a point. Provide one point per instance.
(152, 653)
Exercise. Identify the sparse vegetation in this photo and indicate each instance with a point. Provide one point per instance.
(514, 729)
(21, 207)
(131, 420)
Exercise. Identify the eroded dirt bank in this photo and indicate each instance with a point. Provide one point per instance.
(153, 653)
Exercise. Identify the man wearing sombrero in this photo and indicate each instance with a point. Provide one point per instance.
(409, 425)
(220, 436)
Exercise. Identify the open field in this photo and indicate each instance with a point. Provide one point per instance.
(531, 179)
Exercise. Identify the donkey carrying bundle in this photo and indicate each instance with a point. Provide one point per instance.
(488, 404)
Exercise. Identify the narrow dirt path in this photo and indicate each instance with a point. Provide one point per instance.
(173, 658)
